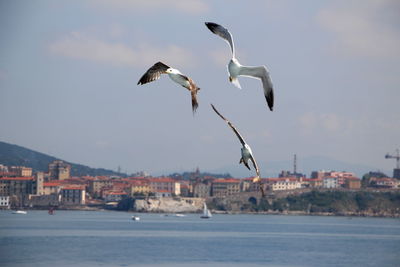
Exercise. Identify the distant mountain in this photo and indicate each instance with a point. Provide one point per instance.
(13, 155)
(304, 165)
(190, 175)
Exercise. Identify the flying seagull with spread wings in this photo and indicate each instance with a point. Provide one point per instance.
(154, 73)
(247, 154)
(235, 69)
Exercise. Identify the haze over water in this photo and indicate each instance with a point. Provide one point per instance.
(112, 239)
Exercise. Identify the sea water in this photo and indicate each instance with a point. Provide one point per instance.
(108, 238)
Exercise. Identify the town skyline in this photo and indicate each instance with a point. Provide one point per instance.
(304, 166)
(68, 75)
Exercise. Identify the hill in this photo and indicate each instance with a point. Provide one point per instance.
(13, 155)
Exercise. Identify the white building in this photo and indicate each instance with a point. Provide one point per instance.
(330, 182)
(284, 183)
(4, 202)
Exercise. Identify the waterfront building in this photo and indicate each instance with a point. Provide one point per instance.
(224, 187)
(162, 193)
(139, 187)
(115, 196)
(165, 183)
(4, 202)
(16, 186)
(73, 195)
(201, 189)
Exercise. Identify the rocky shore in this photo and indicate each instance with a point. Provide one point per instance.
(320, 203)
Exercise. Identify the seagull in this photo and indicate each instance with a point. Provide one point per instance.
(154, 73)
(235, 69)
(247, 154)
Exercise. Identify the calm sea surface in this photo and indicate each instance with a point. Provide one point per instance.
(83, 238)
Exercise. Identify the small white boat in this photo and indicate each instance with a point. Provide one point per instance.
(19, 212)
(135, 218)
(206, 212)
(180, 215)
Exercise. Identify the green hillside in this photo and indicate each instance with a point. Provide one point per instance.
(13, 155)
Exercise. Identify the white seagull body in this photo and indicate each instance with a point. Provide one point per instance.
(247, 154)
(235, 69)
(154, 73)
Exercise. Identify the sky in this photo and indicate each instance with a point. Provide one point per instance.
(69, 72)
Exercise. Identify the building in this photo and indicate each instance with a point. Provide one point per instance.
(352, 183)
(285, 174)
(73, 195)
(115, 196)
(165, 184)
(225, 187)
(16, 186)
(4, 202)
(162, 193)
(202, 190)
(53, 187)
(97, 185)
(396, 173)
(384, 182)
(341, 176)
(59, 170)
(39, 178)
(311, 183)
(283, 183)
(330, 182)
(21, 171)
(141, 187)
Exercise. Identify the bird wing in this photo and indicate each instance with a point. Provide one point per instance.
(222, 32)
(261, 73)
(153, 73)
(231, 125)
(189, 84)
(255, 165)
(193, 91)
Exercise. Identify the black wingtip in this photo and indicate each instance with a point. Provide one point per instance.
(211, 26)
(270, 101)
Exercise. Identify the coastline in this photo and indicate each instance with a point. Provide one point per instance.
(285, 212)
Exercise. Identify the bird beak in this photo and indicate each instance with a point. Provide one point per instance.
(256, 179)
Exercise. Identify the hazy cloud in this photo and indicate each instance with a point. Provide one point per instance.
(189, 6)
(81, 46)
(368, 28)
(311, 122)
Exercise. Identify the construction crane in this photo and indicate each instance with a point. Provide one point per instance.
(397, 157)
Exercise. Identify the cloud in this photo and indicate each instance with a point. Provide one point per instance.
(311, 122)
(185, 6)
(367, 28)
(81, 46)
(315, 124)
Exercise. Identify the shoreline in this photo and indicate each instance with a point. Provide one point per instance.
(290, 213)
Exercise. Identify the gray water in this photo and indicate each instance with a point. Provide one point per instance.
(88, 238)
